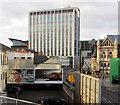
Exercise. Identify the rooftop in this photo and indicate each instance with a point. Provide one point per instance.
(66, 8)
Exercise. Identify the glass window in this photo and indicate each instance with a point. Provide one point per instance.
(64, 11)
(108, 64)
(70, 10)
(110, 55)
(52, 12)
(101, 64)
(37, 13)
(62, 18)
(29, 58)
(103, 55)
(104, 64)
(22, 57)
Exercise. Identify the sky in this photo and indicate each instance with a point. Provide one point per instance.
(98, 18)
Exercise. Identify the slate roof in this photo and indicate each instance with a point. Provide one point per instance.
(113, 37)
(40, 59)
(5, 48)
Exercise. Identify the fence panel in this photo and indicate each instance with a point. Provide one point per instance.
(90, 89)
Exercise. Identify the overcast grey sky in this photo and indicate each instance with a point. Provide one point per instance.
(98, 19)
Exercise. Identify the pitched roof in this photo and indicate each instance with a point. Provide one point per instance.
(18, 40)
(113, 37)
(40, 59)
(5, 48)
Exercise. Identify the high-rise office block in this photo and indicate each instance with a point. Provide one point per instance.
(55, 32)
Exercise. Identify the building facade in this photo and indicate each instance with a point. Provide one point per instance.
(55, 32)
(107, 48)
(87, 49)
(3, 66)
(20, 60)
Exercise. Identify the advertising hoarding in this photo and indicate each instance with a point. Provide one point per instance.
(35, 76)
(21, 76)
(48, 76)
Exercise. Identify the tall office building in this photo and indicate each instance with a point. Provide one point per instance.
(56, 32)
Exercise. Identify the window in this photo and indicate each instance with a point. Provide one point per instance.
(108, 64)
(48, 12)
(64, 11)
(52, 12)
(15, 57)
(70, 10)
(88, 54)
(103, 55)
(107, 43)
(37, 13)
(59, 11)
(101, 64)
(29, 58)
(110, 54)
(22, 57)
(56, 11)
(104, 64)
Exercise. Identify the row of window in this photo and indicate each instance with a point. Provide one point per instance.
(50, 19)
(22, 58)
(107, 43)
(103, 64)
(51, 12)
(104, 55)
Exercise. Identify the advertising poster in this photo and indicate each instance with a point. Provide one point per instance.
(48, 75)
(21, 76)
(35, 76)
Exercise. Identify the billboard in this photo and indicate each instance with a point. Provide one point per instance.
(35, 76)
(48, 76)
(21, 76)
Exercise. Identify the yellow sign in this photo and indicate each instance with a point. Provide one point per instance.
(71, 77)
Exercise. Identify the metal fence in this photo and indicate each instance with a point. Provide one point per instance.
(12, 101)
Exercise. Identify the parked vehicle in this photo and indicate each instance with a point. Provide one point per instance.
(52, 100)
(115, 80)
(14, 90)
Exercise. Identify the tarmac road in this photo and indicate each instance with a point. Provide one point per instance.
(110, 93)
(34, 95)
